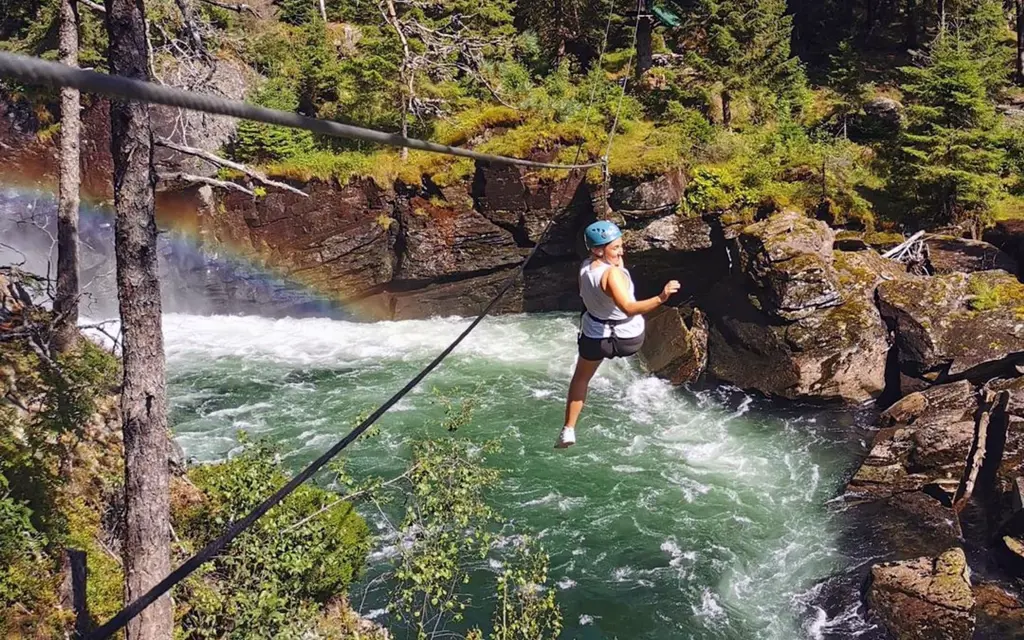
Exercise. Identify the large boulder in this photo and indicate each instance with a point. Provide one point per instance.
(522, 202)
(1008, 236)
(924, 598)
(648, 198)
(956, 326)
(947, 254)
(788, 258)
(676, 347)
(1000, 613)
(834, 352)
(339, 240)
(673, 247)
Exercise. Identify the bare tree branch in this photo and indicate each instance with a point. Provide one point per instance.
(230, 164)
(233, 7)
(99, 8)
(188, 177)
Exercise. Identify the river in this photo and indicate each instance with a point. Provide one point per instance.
(679, 514)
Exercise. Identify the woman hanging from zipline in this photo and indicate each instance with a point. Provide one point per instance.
(613, 324)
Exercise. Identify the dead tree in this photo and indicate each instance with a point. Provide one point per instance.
(65, 302)
(144, 395)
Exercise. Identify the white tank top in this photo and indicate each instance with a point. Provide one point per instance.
(600, 304)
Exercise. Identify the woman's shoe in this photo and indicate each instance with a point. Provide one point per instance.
(566, 438)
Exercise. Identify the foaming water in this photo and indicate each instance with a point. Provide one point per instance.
(677, 515)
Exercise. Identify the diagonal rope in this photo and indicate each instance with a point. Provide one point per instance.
(625, 81)
(36, 71)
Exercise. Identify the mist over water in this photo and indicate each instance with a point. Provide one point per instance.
(194, 277)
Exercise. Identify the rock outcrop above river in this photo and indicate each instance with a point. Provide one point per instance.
(956, 326)
(676, 348)
(925, 598)
(799, 320)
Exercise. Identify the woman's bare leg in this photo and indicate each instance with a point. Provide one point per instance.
(585, 370)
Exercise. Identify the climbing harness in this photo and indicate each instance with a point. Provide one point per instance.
(36, 71)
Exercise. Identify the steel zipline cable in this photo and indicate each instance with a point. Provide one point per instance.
(36, 71)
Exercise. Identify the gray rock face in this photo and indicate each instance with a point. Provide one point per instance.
(444, 237)
(650, 198)
(925, 598)
(834, 352)
(230, 79)
(788, 257)
(676, 347)
(925, 440)
(957, 325)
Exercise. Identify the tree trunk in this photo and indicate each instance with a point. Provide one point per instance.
(323, 10)
(942, 16)
(143, 398)
(727, 109)
(1020, 41)
(65, 302)
(910, 25)
(644, 45)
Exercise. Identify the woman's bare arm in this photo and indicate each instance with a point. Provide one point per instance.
(614, 284)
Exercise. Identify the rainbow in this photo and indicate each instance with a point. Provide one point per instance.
(266, 289)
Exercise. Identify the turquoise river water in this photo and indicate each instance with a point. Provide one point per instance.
(679, 513)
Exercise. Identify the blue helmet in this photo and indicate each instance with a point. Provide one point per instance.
(600, 233)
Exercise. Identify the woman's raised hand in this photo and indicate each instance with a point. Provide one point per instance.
(671, 287)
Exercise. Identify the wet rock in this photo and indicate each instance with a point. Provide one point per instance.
(946, 254)
(904, 525)
(1000, 613)
(836, 353)
(924, 598)
(676, 345)
(648, 198)
(957, 325)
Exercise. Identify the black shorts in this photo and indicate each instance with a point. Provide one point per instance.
(602, 348)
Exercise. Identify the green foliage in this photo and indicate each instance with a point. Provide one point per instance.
(278, 575)
(950, 154)
(526, 607)
(447, 528)
(744, 47)
(261, 143)
(45, 431)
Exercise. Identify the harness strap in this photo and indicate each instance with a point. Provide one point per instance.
(611, 324)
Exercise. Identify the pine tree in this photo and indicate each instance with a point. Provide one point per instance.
(949, 156)
(844, 77)
(744, 44)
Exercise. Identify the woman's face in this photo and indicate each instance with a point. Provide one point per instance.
(611, 253)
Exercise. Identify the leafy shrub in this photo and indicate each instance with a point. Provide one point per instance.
(275, 577)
